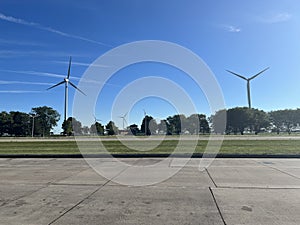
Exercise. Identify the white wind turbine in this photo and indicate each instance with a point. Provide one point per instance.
(66, 81)
(124, 120)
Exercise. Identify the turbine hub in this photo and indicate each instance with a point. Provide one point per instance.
(66, 80)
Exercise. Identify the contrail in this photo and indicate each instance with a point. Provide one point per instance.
(25, 82)
(49, 29)
(19, 91)
(36, 73)
(82, 64)
(45, 74)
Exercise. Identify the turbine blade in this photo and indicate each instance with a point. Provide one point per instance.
(69, 70)
(125, 114)
(259, 73)
(76, 88)
(55, 85)
(237, 75)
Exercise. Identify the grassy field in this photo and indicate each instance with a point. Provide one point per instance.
(167, 146)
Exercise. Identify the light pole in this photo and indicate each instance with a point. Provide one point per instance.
(33, 116)
(145, 114)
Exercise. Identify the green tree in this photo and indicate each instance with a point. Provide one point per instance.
(5, 123)
(97, 128)
(175, 124)
(162, 126)
(85, 130)
(134, 129)
(72, 126)
(67, 127)
(111, 128)
(285, 119)
(20, 123)
(218, 121)
(259, 120)
(46, 120)
(196, 123)
(145, 127)
(238, 119)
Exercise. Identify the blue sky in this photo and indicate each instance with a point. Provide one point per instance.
(37, 38)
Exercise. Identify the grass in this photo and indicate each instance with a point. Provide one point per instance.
(265, 147)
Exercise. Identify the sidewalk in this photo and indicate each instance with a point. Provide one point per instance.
(230, 191)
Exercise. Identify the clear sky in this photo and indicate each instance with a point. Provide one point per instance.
(37, 38)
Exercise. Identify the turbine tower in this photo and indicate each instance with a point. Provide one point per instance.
(248, 82)
(66, 81)
(124, 119)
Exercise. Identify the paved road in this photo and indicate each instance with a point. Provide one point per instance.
(153, 137)
(230, 191)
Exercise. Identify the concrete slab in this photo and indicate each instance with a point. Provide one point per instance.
(35, 174)
(288, 166)
(255, 177)
(188, 177)
(10, 193)
(44, 205)
(259, 206)
(195, 162)
(86, 177)
(280, 163)
(68, 191)
(145, 205)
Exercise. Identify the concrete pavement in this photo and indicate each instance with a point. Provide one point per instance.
(230, 191)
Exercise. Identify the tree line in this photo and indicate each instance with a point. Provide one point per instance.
(244, 119)
(176, 124)
(41, 120)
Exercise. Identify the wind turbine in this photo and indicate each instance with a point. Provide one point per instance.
(124, 119)
(97, 120)
(248, 82)
(67, 81)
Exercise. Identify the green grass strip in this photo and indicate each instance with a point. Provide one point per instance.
(264, 147)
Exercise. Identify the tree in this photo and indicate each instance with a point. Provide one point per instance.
(111, 128)
(20, 123)
(285, 119)
(85, 130)
(162, 127)
(153, 126)
(218, 121)
(204, 125)
(67, 127)
(259, 119)
(5, 123)
(134, 129)
(238, 119)
(72, 126)
(196, 123)
(174, 124)
(145, 128)
(97, 128)
(46, 120)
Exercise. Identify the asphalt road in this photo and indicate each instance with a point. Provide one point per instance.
(229, 191)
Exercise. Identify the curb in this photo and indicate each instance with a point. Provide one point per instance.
(140, 155)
